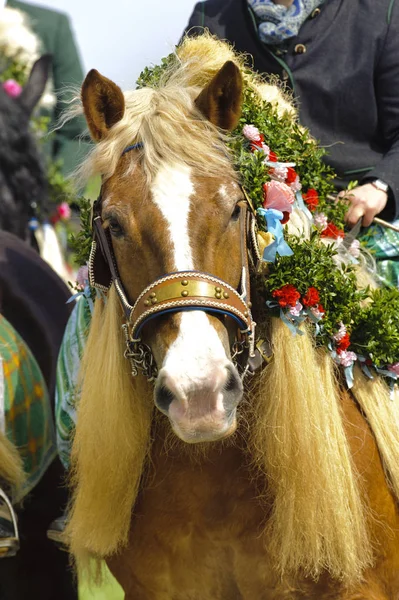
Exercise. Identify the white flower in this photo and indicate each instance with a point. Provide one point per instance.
(346, 358)
(341, 333)
(279, 174)
(296, 185)
(354, 248)
(295, 311)
(317, 313)
(320, 220)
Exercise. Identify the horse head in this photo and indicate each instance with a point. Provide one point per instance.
(173, 225)
(23, 185)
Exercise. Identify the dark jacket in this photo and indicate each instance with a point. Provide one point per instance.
(344, 70)
(54, 31)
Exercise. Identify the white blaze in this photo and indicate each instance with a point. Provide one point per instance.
(171, 192)
(197, 350)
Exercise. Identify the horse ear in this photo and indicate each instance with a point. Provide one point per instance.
(103, 103)
(34, 89)
(220, 101)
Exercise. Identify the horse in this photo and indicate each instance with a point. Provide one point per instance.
(190, 480)
(33, 303)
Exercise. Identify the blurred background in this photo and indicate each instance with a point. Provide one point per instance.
(121, 37)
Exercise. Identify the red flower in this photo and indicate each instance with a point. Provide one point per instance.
(344, 343)
(272, 156)
(311, 198)
(291, 175)
(286, 217)
(311, 298)
(287, 295)
(321, 309)
(332, 231)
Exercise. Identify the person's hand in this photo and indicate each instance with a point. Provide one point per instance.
(365, 202)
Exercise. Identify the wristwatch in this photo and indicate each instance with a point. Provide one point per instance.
(380, 185)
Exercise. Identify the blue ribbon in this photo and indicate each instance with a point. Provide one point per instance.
(364, 367)
(279, 246)
(314, 320)
(349, 375)
(302, 206)
(86, 293)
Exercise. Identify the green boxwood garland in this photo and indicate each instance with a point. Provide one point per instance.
(369, 318)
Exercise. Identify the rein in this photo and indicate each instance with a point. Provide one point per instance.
(178, 292)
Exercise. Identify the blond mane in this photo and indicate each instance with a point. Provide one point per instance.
(297, 440)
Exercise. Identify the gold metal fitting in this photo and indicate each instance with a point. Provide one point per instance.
(147, 303)
(154, 300)
(184, 282)
(218, 289)
(218, 295)
(225, 295)
(153, 295)
(184, 293)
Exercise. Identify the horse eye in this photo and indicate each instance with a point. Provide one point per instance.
(236, 213)
(115, 228)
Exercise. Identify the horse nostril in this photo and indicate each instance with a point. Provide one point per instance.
(231, 383)
(163, 398)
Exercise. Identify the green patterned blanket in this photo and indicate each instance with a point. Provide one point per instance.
(25, 411)
(383, 244)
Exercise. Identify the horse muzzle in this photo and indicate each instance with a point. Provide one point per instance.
(200, 408)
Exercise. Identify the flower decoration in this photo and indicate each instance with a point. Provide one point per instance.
(12, 88)
(288, 295)
(82, 277)
(311, 198)
(251, 133)
(332, 231)
(279, 196)
(354, 249)
(311, 298)
(321, 221)
(394, 368)
(64, 211)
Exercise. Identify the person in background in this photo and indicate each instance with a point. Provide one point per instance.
(340, 59)
(54, 30)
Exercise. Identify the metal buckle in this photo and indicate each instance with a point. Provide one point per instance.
(140, 356)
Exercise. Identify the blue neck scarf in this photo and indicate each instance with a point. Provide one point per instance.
(278, 23)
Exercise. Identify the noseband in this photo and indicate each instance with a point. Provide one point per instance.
(173, 293)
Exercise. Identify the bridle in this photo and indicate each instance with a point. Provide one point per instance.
(178, 292)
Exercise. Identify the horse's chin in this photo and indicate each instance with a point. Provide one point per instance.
(206, 431)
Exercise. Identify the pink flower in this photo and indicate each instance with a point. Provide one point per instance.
(64, 211)
(354, 248)
(341, 333)
(278, 195)
(279, 173)
(12, 88)
(347, 358)
(318, 311)
(251, 133)
(295, 311)
(296, 185)
(394, 368)
(321, 221)
(82, 276)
